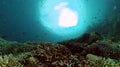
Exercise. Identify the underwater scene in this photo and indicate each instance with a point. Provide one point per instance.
(59, 33)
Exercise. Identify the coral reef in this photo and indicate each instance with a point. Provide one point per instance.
(101, 62)
(9, 61)
(7, 47)
(90, 50)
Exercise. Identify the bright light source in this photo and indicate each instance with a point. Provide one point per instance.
(64, 18)
(61, 5)
(68, 18)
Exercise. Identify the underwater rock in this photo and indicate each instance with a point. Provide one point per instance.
(80, 44)
(104, 49)
(86, 51)
(93, 57)
(90, 43)
(85, 38)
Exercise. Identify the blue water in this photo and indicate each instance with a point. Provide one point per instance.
(30, 20)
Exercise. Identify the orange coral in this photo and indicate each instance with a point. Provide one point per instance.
(110, 41)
